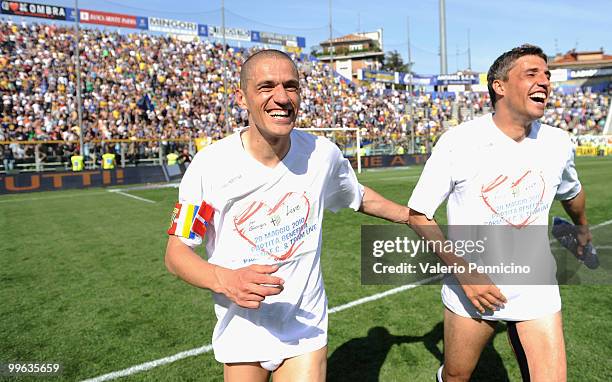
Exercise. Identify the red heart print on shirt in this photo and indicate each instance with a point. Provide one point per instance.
(275, 230)
(514, 200)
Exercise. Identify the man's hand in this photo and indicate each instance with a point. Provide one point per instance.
(583, 235)
(481, 291)
(248, 286)
(576, 209)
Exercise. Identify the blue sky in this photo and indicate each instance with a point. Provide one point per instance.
(495, 26)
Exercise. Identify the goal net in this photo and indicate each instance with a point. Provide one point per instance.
(348, 140)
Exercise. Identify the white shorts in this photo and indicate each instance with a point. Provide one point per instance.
(525, 302)
(271, 365)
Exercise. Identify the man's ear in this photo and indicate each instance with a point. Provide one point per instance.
(499, 88)
(241, 99)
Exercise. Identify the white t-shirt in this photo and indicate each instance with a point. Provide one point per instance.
(264, 216)
(490, 179)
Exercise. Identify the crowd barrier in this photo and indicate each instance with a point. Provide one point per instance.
(13, 183)
(593, 151)
(381, 161)
(62, 180)
(128, 152)
(46, 176)
(138, 152)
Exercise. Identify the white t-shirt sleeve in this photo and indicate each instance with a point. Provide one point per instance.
(342, 190)
(191, 192)
(570, 185)
(435, 183)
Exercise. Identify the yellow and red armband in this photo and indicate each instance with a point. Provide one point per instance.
(189, 220)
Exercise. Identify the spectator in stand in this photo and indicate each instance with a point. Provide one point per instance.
(185, 157)
(8, 159)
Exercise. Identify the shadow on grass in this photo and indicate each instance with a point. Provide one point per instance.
(490, 366)
(360, 359)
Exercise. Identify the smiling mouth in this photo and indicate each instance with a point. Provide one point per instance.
(539, 97)
(280, 114)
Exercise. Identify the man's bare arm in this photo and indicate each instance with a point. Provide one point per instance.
(576, 209)
(477, 287)
(242, 286)
(376, 205)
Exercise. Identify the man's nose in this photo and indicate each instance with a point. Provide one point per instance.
(280, 95)
(544, 80)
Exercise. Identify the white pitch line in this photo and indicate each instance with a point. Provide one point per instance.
(88, 193)
(131, 196)
(150, 365)
(383, 294)
(598, 247)
(71, 195)
(207, 348)
(601, 224)
(148, 187)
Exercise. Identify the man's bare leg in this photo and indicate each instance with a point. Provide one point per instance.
(543, 347)
(309, 367)
(245, 371)
(464, 340)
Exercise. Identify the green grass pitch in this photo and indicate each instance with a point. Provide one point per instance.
(83, 283)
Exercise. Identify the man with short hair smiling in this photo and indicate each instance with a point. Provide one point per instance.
(260, 195)
(503, 169)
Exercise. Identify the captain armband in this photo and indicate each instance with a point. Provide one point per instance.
(189, 220)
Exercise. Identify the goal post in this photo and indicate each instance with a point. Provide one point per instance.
(335, 134)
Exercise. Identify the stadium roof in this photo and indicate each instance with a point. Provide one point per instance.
(585, 59)
(347, 38)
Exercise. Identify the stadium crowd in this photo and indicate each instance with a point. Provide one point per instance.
(140, 86)
(579, 112)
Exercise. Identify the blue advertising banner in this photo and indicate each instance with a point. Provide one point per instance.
(142, 22)
(255, 37)
(301, 42)
(203, 30)
(587, 73)
(278, 39)
(377, 76)
(70, 14)
(395, 77)
(404, 79)
(456, 79)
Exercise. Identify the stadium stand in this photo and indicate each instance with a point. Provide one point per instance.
(139, 86)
